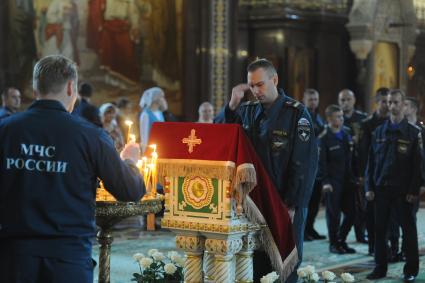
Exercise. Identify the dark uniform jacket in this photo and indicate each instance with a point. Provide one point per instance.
(88, 111)
(284, 140)
(49, 164)
(335, 156)
(318, 124)
(395, 158)
(5, 112)
(368, 125)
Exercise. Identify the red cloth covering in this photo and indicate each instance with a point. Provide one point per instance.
(228, 142)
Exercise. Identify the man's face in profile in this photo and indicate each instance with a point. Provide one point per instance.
(13, 99)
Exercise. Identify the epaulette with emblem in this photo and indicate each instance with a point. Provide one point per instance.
(250, 103)
(295, 104)
(422, 125)
(416, 126)
(360, 112)
(323, 133)
(367, 119)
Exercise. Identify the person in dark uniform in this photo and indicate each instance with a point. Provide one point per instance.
(368, 126)
(85, 108)
(11, 102)
(352, 120)
(311, 101)
(281, 132)
(336, 150)
(393, 178)
(50, 163)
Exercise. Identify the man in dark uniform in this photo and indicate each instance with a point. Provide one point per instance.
(50, 163)
(11, 102)
(368, 126)
(393, 178)
(281, 131)
(352, 120)
(85, 108)
(336, 150)
(311, 101)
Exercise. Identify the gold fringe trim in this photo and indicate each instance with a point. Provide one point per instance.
(224, 170)
(283, 268)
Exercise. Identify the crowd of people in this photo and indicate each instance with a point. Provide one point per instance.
(367, 170)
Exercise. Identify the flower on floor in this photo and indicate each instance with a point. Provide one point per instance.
(328, 276)
(347, 277)
(270, 278)
(308, 275)
(157, 268)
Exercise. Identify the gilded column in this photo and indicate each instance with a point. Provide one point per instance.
(193, 247)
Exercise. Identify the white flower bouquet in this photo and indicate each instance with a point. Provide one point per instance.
(308, 274)
(158, 268)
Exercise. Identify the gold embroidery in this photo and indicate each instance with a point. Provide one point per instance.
(192, 140)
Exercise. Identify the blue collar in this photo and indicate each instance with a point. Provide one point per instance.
(47, 104)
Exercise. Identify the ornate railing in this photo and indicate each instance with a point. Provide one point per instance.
(328, 6)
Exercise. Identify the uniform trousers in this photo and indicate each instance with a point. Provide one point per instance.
(384, 203)
(19, 268)
(340, 200)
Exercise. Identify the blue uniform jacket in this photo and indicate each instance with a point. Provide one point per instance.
(49, 164)
(284, 139)
(5, 112)
(335, 157)
(395, 158)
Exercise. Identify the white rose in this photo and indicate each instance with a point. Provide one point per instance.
(309, 270)
(301, 273)
(269, 278)
(347, 277)
(315, 277)
(138, 256)
(177, 259)
(170, 268)
(158, 256)
(328, 275)
(152, 251)
(172, 254)
(145, 262)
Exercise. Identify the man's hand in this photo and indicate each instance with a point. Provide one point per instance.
(131, 151)
(370, 196)
(237, 95)
(411, 198)
(327, 188)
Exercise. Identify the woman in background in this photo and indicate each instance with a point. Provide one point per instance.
(108, 113)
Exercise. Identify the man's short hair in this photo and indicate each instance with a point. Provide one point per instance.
(6, 90)
(265, 64)
(414, 101)
(380, 92)
(52, 73)
(332, 109)
(398, 91)
(310, 91)
(85, 90)
(122, 102)
(349, 91)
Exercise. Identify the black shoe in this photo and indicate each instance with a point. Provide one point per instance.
(376, 275)
(346, 248)
(336, 249)
(308, 237)
(408, 278)
(316, 235)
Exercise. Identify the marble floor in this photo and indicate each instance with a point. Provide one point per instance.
(128, 241)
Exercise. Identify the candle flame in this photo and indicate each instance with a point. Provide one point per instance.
(128, 123)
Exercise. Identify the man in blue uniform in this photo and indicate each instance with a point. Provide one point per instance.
(281, 131)
(352, 120)
(393, 178)
(49, 164)
(335, 154)
(311, 101)
(368, 126)
(85, 108)
(11, 102)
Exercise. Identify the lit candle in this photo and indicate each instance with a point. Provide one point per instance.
(129, 124)
(132, 138)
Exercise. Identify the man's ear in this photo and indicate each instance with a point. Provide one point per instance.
(275, 80)
(69, 88)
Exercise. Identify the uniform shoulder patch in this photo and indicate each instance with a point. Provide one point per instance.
(367, 119)
(294, 104)
(303, 129)
(360, 113)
